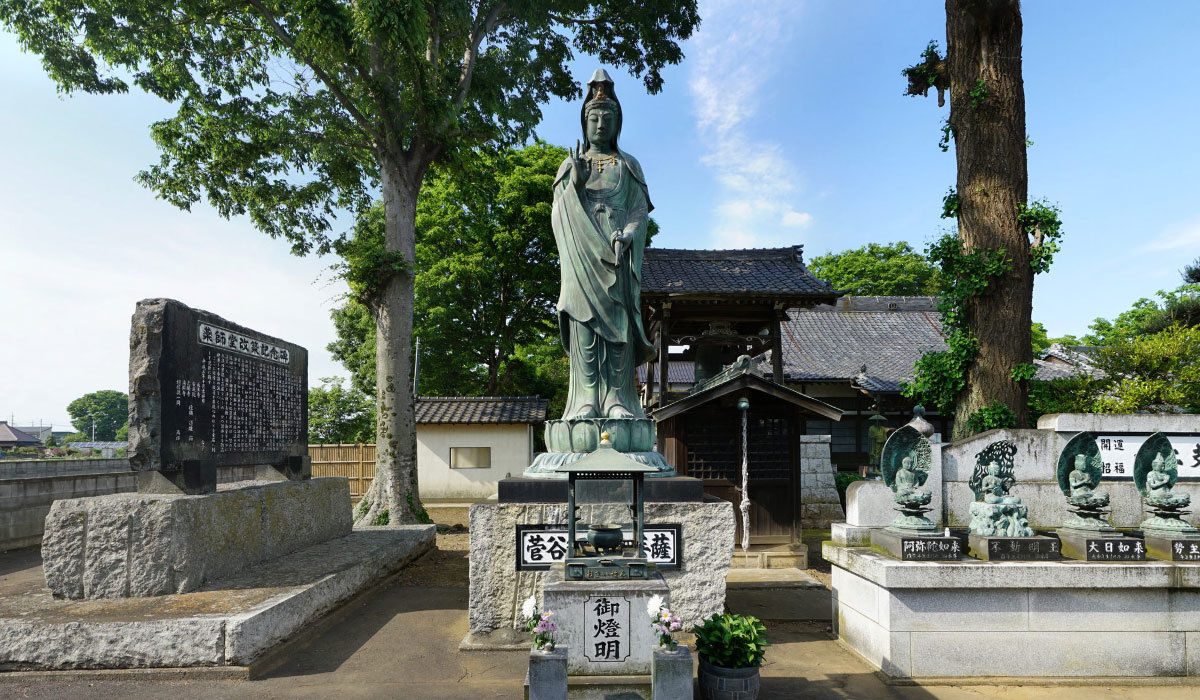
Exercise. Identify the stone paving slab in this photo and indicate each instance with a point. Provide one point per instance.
(230, 622)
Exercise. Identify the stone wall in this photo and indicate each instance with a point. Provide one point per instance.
(131, 545)
(25, 500)
(819, 502)
(497, 589)
(1017, 619)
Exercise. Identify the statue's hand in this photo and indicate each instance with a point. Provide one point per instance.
(580, 167)
(621, 236)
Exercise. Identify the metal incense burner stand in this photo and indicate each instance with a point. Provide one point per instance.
(609, 557)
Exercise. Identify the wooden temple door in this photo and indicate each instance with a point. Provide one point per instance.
(714, 454)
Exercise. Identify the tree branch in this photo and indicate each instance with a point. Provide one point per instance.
(482, 26)
(333, 86)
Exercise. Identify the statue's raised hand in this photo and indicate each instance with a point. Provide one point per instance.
(581, 167)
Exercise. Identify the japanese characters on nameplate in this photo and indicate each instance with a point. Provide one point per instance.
(931, 548)
(539, 546)
(1118, 450)
(241, 343)
(606, 627)
(1185, 550)
(1115, 549)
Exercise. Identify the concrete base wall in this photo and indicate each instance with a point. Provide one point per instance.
(497, 589)
(132, 545)
(1018, 619)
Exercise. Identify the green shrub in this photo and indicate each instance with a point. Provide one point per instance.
(731, 641)
(843, 480)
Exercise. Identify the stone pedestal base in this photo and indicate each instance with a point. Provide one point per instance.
(671, 674)
(133, 545)
(1017, 619)
(498, 586)
(1172, 546)
(849, 535)
(1092, 545)
(916, 547)
(1036, 548)
(604, 624)
(547, 679)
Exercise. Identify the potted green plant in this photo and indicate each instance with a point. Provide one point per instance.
(731, 649)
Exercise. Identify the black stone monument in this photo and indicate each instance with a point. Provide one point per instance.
(206, 393)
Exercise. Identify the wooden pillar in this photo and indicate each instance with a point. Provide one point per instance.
(664, 360)
(776, 352)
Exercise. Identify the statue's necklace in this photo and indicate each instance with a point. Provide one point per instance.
(601, 161)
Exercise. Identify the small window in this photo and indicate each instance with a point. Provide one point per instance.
(470, 457)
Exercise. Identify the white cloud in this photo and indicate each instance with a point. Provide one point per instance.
(731, 59)
(1183, 235)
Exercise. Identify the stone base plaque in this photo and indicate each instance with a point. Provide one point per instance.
(916, 548)
(1088, 545)
(1172, 548)
(1036, 548)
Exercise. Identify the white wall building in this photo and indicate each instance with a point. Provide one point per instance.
(467, 444)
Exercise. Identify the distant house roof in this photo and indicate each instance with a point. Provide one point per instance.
(15, 437)
(480, 409)
(37, 431)
(873, 350)
(771, 272)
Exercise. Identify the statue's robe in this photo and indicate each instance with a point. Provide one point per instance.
(599, 302)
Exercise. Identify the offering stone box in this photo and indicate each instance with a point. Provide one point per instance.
(499, 583)
(1017, 619)
(204, 393)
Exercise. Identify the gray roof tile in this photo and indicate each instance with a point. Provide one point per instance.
(480, 409)
(758, 271)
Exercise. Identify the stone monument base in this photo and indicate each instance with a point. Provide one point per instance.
(131, 545)
(604, 624)
(498, 587)
(1102, 545)
(1174, 546)
(973, 619)
(1035, 548)
(916, 547)
(234, 622)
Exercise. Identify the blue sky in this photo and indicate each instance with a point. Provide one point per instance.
(786, 123)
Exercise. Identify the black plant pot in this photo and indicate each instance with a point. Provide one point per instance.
(720, 683)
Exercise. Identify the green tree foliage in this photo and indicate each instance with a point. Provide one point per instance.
(109, 408)
(879, 269)
(339, 414)
(291, 111)
(1152, 372)
(486, 284)
(1040, 337)
(1148, 316)
(1191, 273)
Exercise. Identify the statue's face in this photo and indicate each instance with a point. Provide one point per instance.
(1158, 463)
(906, 463)
(1080, 462)
(993, 469)
(601, 126)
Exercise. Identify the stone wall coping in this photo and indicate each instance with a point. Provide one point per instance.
(815, 438)
(1120, 422)
(969, 573)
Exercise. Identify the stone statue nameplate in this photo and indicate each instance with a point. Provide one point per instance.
(907, 548)
(1037, 548)
(1115, 549)
(539, 546)
(204, 389)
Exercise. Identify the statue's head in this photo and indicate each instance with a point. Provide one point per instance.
(906, 463)
(1158, 464)
(993, 469)
(600, 116)
(1080, 462)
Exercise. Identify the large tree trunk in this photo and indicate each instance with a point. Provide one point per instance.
(983, 40)
(394, 489)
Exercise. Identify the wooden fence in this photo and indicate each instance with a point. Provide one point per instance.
(355, 462)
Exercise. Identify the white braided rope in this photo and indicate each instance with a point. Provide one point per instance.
(745, 504)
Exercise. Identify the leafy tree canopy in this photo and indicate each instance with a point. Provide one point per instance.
(338, 413)
(109, 408)
(879, 269)
(1154, 372)
(1148, 316)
